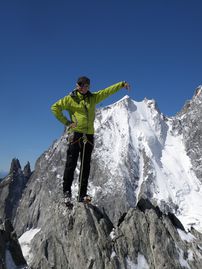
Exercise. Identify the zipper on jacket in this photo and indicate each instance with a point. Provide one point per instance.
(86, 109)
(85, 106)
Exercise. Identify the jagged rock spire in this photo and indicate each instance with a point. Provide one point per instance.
(27, 170)
(15, 166)
(12, 187)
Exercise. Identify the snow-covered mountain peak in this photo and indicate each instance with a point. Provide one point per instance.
(148, 154)
(143, 107)
(132, 119)
(122, 103)
(152, 104)
(125, 97)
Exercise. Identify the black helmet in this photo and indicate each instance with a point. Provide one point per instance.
(83, 80)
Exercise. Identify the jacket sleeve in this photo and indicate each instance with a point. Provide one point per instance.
(103, 94)
(58, 107)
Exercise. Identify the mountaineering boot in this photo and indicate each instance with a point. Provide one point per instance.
(68, 199)
(86, 199)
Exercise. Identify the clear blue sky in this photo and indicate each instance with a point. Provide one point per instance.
(156, 45)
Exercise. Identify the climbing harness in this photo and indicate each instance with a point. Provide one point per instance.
(84, 138)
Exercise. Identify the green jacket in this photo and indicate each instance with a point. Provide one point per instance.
(81, 108)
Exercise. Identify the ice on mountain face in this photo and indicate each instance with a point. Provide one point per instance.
(175, 176)
(186, 236)
(141, 263)
(25, 242)
(140, 155)
(182, 261)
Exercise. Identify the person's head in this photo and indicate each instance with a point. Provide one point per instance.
(83, 85)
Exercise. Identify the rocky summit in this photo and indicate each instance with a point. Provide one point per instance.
(11, 189)
(146, 186)
(86, 238)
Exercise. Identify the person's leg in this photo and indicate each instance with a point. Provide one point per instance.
(71, 162)
(86, 152)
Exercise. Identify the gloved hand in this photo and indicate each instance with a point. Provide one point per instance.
(126, 85)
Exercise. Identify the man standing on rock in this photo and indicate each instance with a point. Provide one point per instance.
(80, 104)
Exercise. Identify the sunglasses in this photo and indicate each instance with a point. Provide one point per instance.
(82, 85)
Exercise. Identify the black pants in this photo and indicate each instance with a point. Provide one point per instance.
(76, 147)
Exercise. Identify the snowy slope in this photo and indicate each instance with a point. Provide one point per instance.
(142, 156)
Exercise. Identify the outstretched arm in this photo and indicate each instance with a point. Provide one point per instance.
(103, 94)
